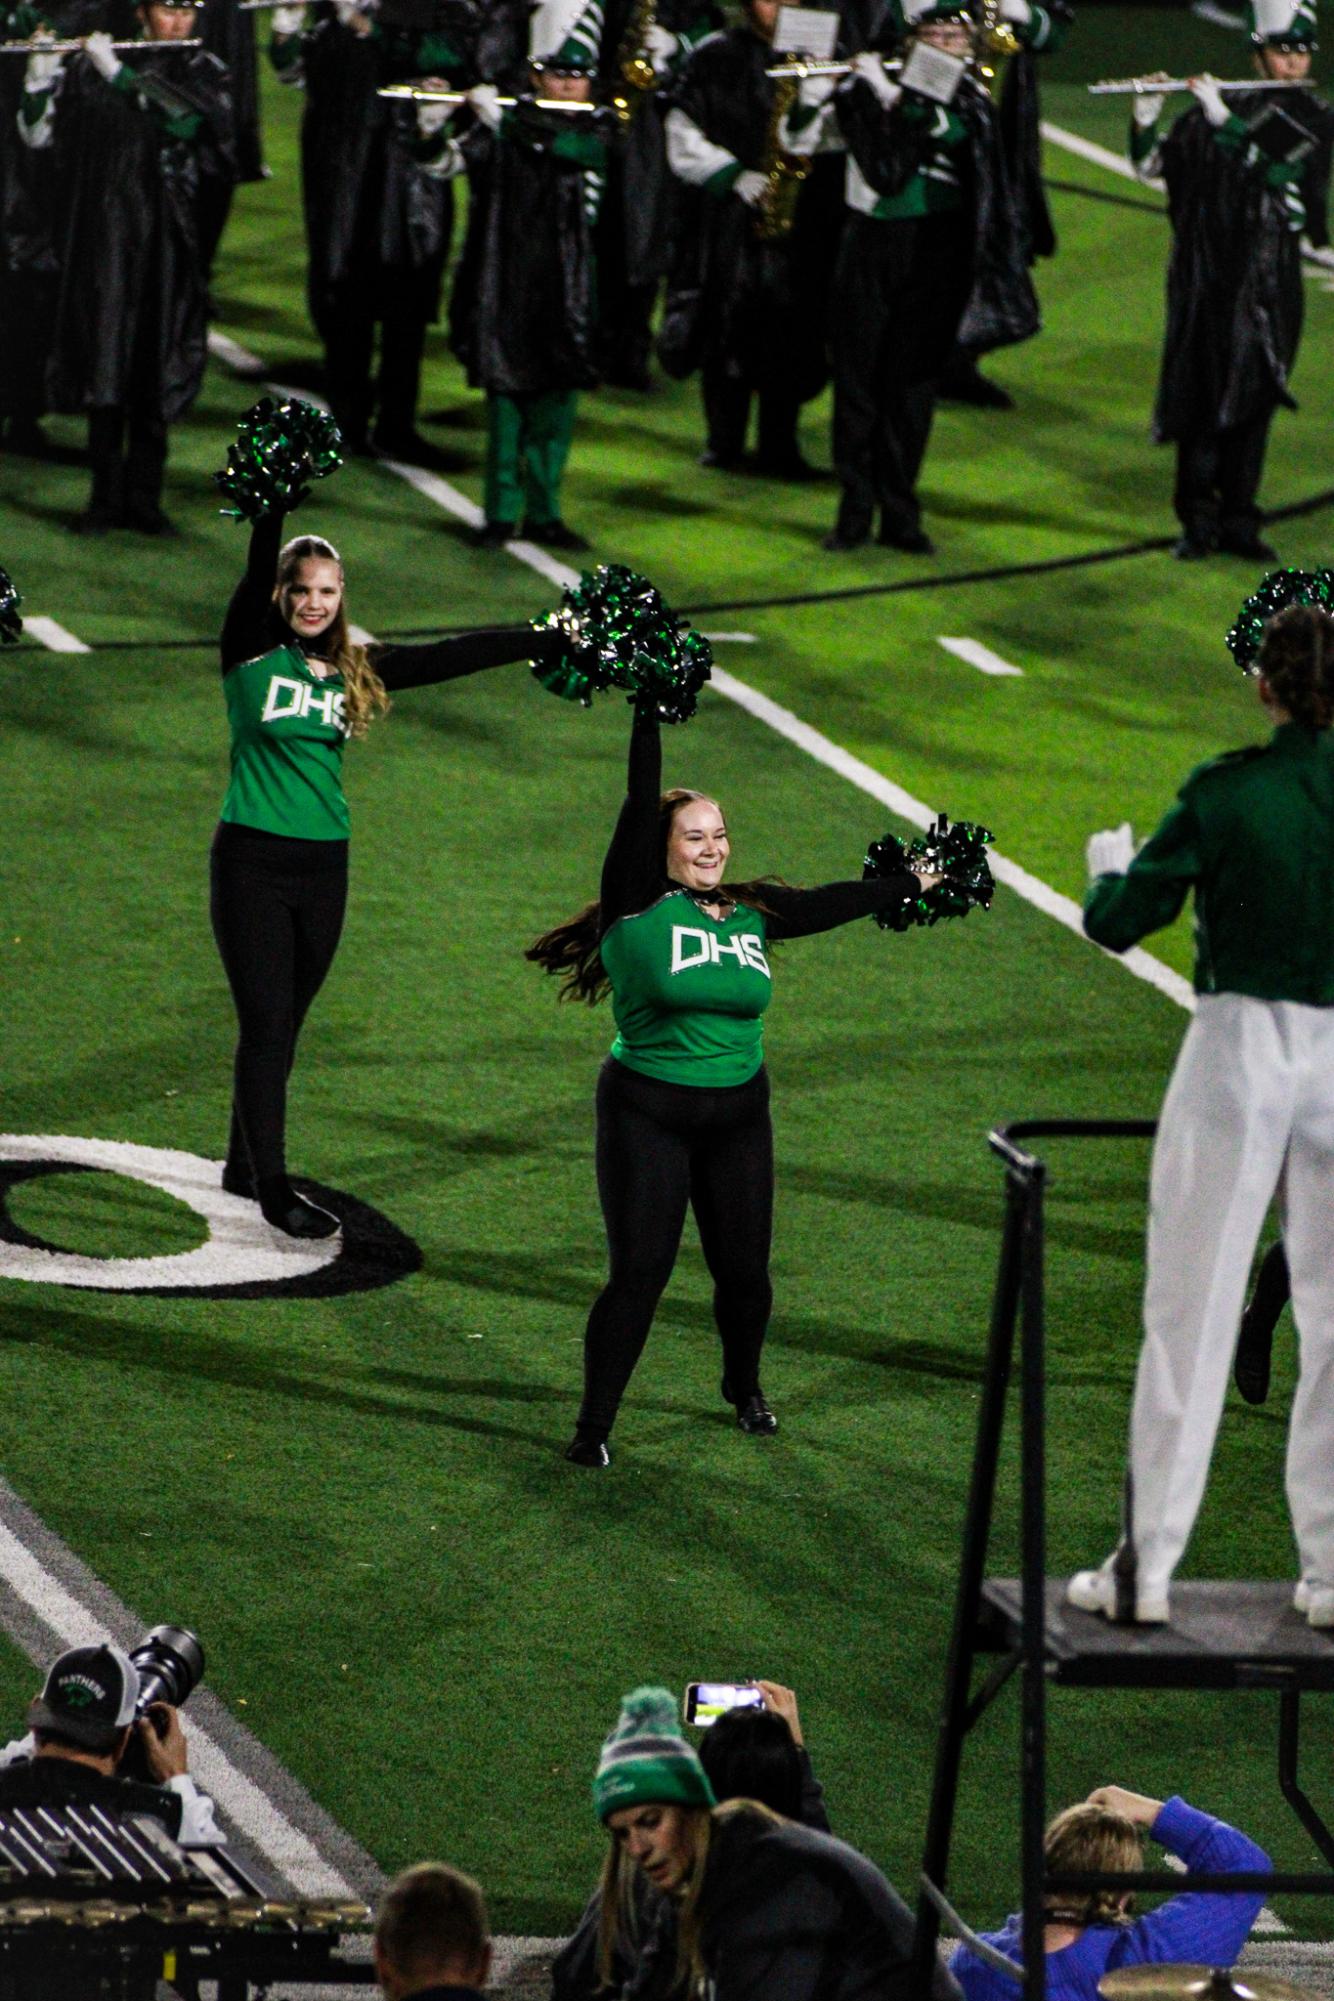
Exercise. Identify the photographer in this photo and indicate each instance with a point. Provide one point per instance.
(760, 1754)
(82, 1726)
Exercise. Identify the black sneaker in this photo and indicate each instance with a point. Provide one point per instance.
(755, 1417)
(283, 1209)
(584, 1451)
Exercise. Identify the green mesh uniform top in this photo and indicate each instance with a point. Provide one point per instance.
(689, 991)
(287, 748)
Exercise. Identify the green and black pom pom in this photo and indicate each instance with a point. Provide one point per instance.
(280, 449)
(958, 853)
(11, 625)
(1277, 591)
(618, 633)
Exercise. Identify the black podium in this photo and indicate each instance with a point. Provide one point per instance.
(1222, 1635)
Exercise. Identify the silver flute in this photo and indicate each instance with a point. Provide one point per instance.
(418, 94)
(1148, 86)
(76, 48)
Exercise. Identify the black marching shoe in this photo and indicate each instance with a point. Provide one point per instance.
(1251, 548)
(913, 541)
(1192, 547)
(588, 1448)
(850, 530)
(494, 534)
(753, 1414)
(285, 1210)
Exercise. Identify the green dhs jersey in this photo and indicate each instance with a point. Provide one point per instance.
(287, 748)
(688, 992)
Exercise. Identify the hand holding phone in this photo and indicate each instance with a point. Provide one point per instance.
(706, 1701)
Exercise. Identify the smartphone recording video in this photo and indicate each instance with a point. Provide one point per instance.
(706, 1701)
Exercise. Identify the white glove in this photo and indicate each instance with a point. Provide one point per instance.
(1112, 852)
(42, 71)
(288, 21)
(662, 45)
(1146, 107)
(1206, 91)
(354, 14)
(1018, 12)
(813, 91)
(97, 47)
(448, 162)
(751, 185)
(482, 97)
(431, 118)
(870, 69)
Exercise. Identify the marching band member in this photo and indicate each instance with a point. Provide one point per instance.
(1245, 180)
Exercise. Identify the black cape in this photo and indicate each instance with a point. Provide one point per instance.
(130, 318)
(758, 308)
(1002, 307)
(374, 219)
(521, 313)
(230, 35)
(1234, 281)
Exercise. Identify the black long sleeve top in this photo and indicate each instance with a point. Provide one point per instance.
(255, 626)
(633, 875)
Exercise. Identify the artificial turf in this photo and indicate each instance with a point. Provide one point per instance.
(359, 1502)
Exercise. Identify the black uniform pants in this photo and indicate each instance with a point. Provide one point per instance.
(277, 909)
(899, 294)
(128, 451)
(1218, 477)
(661, 1147)
(727, 398)
(349, 360)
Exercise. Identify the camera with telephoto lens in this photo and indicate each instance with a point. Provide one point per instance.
(170, 1664)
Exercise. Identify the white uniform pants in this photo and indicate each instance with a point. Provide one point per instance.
(1249, 1111)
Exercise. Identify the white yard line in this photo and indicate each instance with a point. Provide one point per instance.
(979, 656)
(52, 635)
(251, 1811)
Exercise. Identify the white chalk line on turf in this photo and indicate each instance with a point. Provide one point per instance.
(73, 1623)
(1062, 909)
(51, 634)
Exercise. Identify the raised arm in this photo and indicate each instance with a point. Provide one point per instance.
(801, 913)
(462, 653)
(247, 630)
(632, 874)
(1210, 1925)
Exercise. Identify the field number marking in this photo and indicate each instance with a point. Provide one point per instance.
(979, 656)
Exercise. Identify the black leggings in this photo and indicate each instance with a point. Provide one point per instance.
(277, 907)
(661, 1146)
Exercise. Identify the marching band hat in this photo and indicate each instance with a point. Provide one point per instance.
(565, 36)
(1288, 24)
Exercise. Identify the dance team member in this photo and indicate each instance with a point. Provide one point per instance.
(683, 1098)
(297, 687)
(1250, 1105)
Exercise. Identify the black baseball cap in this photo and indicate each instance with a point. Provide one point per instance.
(89, 1697)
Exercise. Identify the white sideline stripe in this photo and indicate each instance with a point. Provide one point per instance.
(731, 638)
(1115, 163)
(1033, 890)
(979, 656)
(250, 1809)
(232, 355)
(54, 636)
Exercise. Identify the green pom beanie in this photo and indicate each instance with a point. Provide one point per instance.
(646, 1761)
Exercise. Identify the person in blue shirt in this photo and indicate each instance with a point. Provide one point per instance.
(1086, 1935)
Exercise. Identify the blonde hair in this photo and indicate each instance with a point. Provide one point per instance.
(1094, 1840)
(619, 1919)
(364, 693)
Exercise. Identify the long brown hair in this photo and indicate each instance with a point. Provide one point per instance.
(618, 1923)
(364, 693)
(1296, 657)
(571, 951)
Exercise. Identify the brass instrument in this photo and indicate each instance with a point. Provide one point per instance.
(784, 172)
(1149, 86)
(633, 63)
(994, 42)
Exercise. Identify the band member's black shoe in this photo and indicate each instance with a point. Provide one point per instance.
(755, 1417)
(494, 534)
(1251, 548)
(1191, 548)
(285, 1210)
(555, 535)
(586, 1449)
(913, 541)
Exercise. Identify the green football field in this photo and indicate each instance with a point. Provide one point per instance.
(359, 1501)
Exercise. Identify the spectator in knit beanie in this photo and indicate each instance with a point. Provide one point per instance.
(764, 1910)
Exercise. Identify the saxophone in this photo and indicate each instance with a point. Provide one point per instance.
(633, 66)
(994, 42)
(783, 172)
